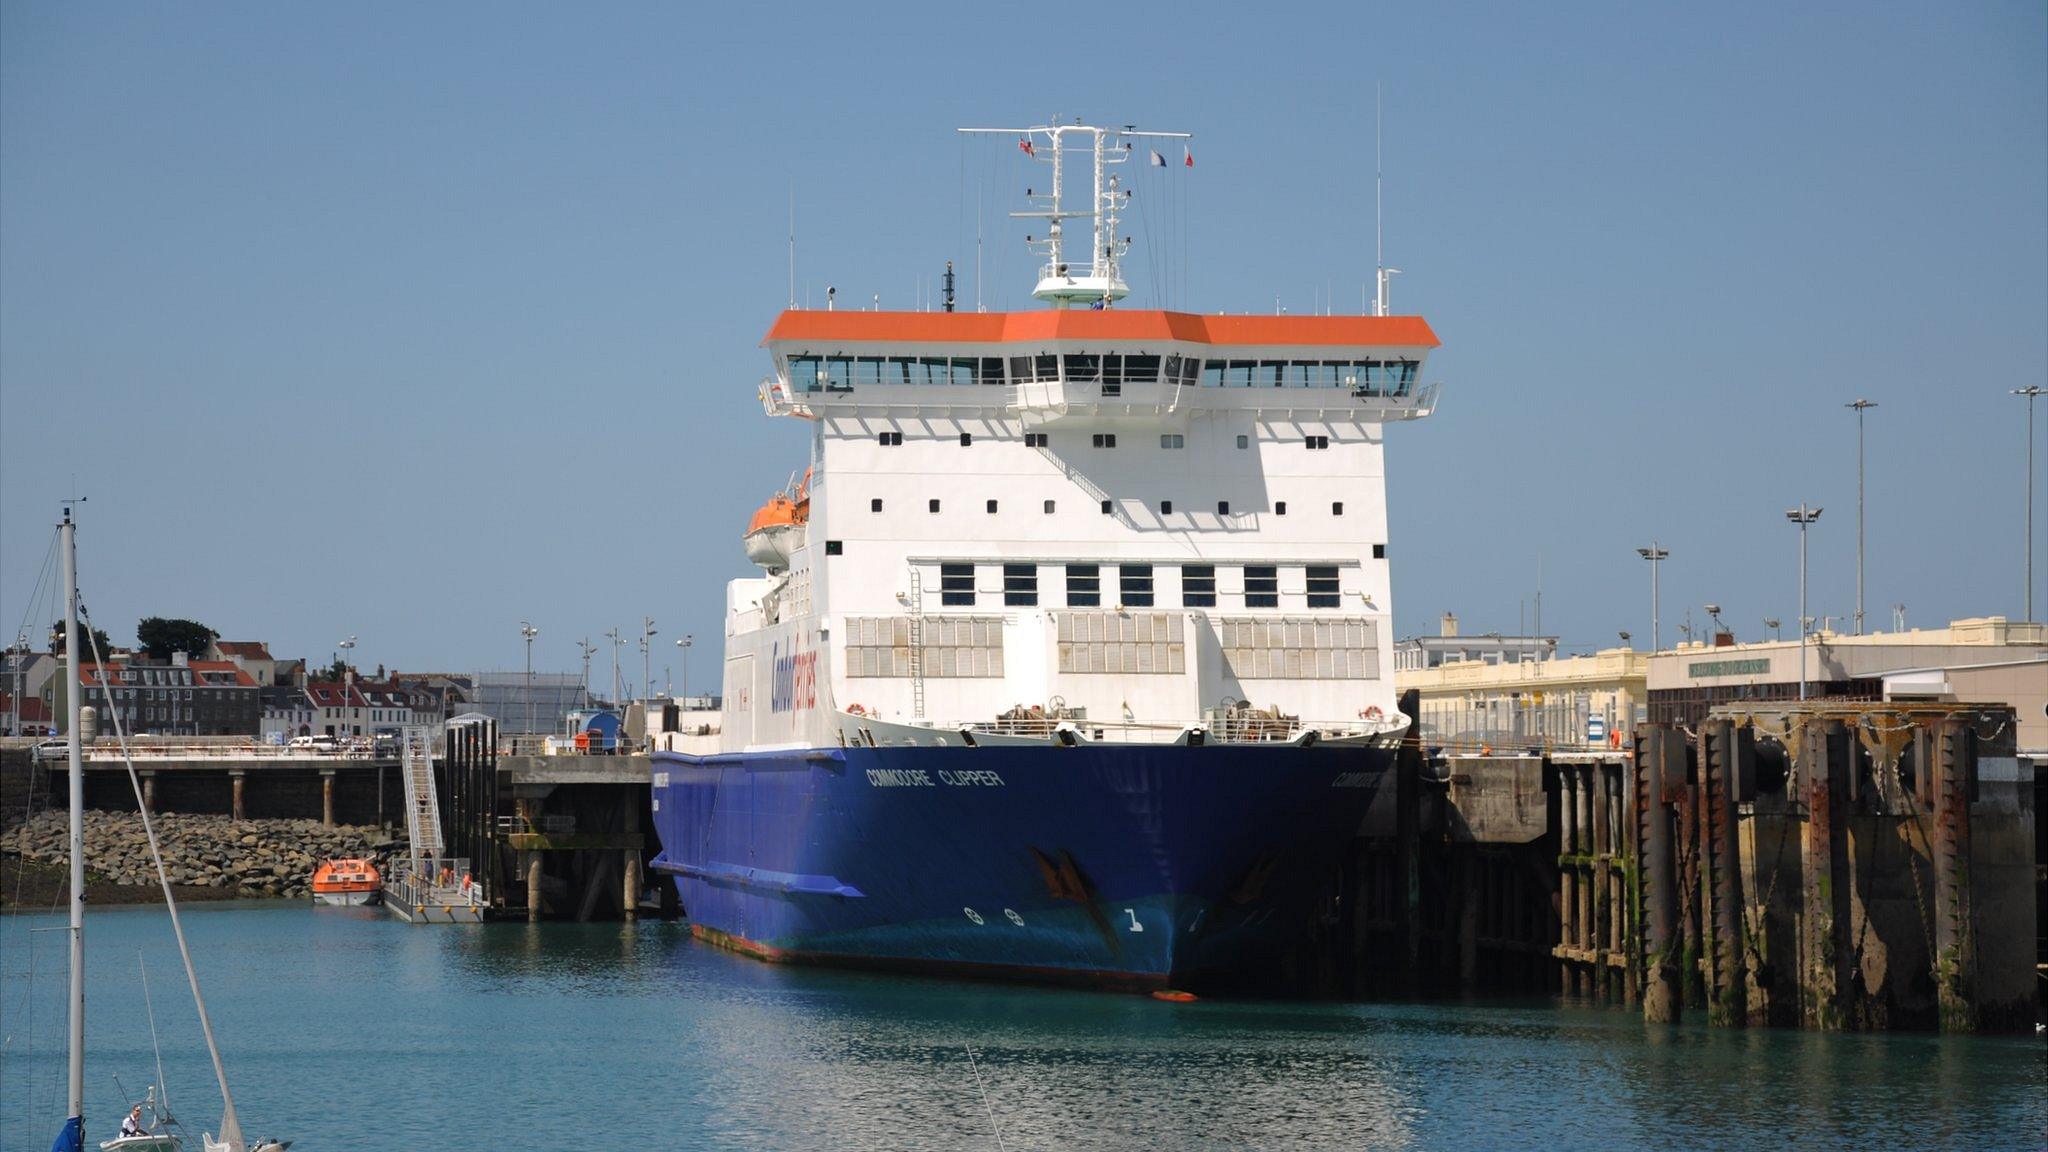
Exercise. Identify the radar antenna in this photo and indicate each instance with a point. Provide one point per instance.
(1060, 283)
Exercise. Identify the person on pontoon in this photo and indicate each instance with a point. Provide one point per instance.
(132, 1126)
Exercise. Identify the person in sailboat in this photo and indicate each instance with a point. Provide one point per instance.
(132, 1126)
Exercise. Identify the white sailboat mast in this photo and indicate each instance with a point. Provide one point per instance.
(68, 542)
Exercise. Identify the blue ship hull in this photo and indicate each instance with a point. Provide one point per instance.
(1130, 866)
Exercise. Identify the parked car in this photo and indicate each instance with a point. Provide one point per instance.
(52, 750)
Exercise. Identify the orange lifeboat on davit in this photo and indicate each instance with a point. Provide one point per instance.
(777, 528)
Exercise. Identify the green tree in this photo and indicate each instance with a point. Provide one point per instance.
(160, 637)
(336, 671)
(57, 641)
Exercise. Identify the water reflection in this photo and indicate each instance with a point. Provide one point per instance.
(636, 1036)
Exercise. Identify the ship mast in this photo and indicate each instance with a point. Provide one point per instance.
(1059, 284)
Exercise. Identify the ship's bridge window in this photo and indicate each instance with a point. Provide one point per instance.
(838, 373)
(1046, 366)
(1212, 374)
(1083, 368)
(1198, 585)
(867, 370)
(932, 370)
(807, 373)
(1238, 373)
(1142, 369)
(956, 584)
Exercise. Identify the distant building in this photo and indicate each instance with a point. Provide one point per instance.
(1592, 700)
(251, 656)
(23, 678)
(287, 712)
(361, 708)
(1978, 661)
(1575, 703)
(505, 697)
(178, 698)
(1448, 647)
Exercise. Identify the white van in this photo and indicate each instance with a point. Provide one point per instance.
(321, 743)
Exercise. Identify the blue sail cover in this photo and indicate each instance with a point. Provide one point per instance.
(71, 1138)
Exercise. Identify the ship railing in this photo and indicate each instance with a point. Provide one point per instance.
(1246, 730)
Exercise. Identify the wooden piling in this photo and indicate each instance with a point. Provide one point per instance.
(1567, 878)
(629, 897)
(1824, 861)
(1955, 961)
(327, 797)
(1659, 755)
(235, 776)
(1720, 750)
(1408, 768)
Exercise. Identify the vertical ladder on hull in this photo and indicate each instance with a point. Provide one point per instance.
(422, 806)
(917, 642)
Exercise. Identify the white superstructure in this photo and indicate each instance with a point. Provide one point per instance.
(1135, 521)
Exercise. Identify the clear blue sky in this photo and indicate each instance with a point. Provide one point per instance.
(414, 321)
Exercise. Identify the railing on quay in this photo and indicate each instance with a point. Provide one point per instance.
(174, 750)
(440, 881)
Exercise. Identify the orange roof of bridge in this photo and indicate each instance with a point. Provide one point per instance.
(1087, 324)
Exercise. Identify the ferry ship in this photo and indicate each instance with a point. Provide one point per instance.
(1070, 655)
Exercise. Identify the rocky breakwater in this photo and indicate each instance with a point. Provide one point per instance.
(216, 855)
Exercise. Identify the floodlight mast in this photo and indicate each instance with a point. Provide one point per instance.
(1102, 285)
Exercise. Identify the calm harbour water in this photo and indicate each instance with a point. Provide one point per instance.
(346, 1030)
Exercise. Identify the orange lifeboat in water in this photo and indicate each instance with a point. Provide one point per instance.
(347, 880)
(777, 528)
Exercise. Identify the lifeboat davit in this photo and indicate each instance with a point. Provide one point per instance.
(347, 880)
(777, 528)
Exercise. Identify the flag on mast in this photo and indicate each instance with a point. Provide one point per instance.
(1189, 154)
(1158, 161)
(1025, 144)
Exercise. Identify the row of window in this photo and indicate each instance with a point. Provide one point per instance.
(93, 692)
(1168, 440)
(1109, 371)
(935, 505)
(1134, 585)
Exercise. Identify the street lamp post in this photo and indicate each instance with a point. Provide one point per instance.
(2030, 392)
(1861, 406)
(529, 631)
(348, 680)
(588, 649)
(1655, 556)
(685, 644)
(1771, 622)
(646, 639)
(617, 643)
(1802, 516)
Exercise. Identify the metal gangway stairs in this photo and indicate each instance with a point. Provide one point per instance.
(427, 886)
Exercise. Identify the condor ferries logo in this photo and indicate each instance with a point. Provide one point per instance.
(796, 679)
